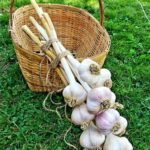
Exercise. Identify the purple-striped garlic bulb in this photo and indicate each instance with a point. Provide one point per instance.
(100, 99)
(107, 121)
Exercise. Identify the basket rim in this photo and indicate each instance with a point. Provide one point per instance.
(17, 46)
(80, 10)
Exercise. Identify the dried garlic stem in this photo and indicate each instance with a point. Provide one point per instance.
(47, 52)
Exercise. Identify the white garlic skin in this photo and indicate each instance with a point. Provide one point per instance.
(104, 75)
(97, 96)
(113, 98)
(80, 115)
(85, 72)
(75, 92)
(117, 143)
(123, 125)
(91, 138)
(105, 121)
(126, 145)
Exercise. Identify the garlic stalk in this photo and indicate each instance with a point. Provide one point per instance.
(39, 28)
(47, 52)
(40, 14)
(81, 116)
(74, 93)
(26, 29)
(117, 143)
(91, 138)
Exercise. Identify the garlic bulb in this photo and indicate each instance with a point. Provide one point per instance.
(89, 71)
(74, 94)
(91, 138)
(104, 79)
(122, 125)
(80, 115)
(117, 143)
(100, 99)
(106, 121)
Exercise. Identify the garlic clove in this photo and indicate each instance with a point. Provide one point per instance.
(113, 97)
(100, 93)
(126, 145)
(91, 138)
(76, 117)
(81, 115)
(105, 74)
(105, 121)
(74, 94)
(93, 106)
(117, 143)
(112, 143)
(122, 126)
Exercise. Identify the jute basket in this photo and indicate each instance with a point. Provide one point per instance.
(79, 31)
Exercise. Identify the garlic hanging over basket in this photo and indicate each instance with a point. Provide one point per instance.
(88, 92)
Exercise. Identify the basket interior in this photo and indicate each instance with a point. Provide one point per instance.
(77, 30)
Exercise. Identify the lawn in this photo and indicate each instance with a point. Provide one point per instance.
(25, 125)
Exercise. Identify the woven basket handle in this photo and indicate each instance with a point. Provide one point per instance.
(101, 10)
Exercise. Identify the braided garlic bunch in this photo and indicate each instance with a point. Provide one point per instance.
(88, 92)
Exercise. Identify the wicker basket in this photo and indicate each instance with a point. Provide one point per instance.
(79, 31)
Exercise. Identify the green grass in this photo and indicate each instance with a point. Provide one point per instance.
(23, 122)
